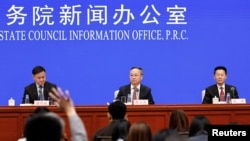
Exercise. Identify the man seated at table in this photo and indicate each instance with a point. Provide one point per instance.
(39, 90)
(135, 88)
(220, 89)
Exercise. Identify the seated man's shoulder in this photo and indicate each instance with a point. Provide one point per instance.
(145, 86)
(229, 85)
(212, 86)
(125, 86)
(50, 84)
(30, 85)
(105, 131)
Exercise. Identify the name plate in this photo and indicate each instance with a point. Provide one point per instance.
(141, 102)
(26, 104)
(220, 102)
(238, 101)
(41, 102)
(128, 103)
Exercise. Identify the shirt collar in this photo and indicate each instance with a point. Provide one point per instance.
(223, 86)
(39, 86)
(132, 87)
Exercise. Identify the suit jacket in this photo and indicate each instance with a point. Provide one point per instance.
(212, 91)
(200, 136)
(145, 93)
(104, 131)
(31, 90)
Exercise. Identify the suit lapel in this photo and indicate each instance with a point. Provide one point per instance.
(227, 90)
(34, 90)
(142, 91)
(128, 90)
(216, 91)
(46, 90)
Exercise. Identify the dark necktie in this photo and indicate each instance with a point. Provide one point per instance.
(222, 94)
(134, 94)
(40, 93)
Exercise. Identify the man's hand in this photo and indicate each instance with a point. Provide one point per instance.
(63, 100)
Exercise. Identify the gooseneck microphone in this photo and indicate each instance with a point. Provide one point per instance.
(137, 93)
(137, 90)
(233, 89)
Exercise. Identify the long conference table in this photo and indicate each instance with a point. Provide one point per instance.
(12, 118)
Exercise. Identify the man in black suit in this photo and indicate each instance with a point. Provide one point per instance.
(39, 90)
(220, 76)
(135, 87)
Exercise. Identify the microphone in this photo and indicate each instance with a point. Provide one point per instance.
(137, 90)
(232, 89)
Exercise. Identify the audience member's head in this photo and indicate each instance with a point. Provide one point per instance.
(199, 124)
(179, 121)
(139, 131)
(120, 129)
(46, 126)
(41, 109)
(117, 110)
(167, 135)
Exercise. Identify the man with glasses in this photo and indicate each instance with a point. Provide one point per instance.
(135, 88)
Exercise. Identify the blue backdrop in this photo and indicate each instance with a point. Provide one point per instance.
(94, 43)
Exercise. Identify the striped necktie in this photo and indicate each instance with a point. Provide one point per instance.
(222, 94)
(40, 93)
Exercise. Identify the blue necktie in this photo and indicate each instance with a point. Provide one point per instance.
(40, 93)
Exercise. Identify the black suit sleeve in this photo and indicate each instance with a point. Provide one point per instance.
(24, 95)
(150, 97)
(29, 91)
(48, 89)
(208, 97)
(120, 93)
(235, 94)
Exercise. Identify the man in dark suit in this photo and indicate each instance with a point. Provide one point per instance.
(39, 90)
(135, 87)
(220, 76)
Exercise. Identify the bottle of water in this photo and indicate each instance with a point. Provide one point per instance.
(129, 98)
(27, 99)
(228, 99)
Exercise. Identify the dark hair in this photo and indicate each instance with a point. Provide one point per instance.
(120, 129)
(220, 68)
(199, 123)
(44, 127)
(179, 121)
(38, 69)
(117, 110)
(167, 135)
(41, 109)
(139, 131)
(139, 68)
